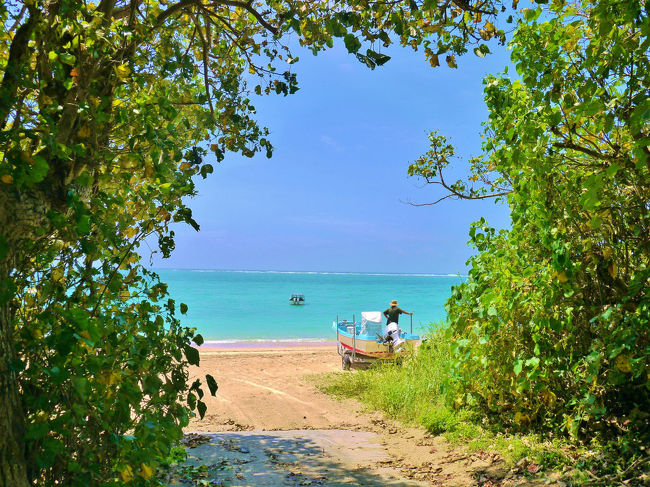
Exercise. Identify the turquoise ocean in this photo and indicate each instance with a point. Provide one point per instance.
(231, 306)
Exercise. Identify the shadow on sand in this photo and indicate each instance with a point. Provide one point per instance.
(289, 458)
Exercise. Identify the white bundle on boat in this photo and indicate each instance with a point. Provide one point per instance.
(370, 322)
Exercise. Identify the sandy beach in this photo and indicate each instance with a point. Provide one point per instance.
(263, 386)
(266, 387)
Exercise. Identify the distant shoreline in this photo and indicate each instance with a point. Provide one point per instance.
(334, 273)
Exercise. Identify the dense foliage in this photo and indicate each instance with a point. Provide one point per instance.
(552, 327)
(106, 112)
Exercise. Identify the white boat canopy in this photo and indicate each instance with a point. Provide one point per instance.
(371, 322)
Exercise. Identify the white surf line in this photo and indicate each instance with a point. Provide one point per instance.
(275, 391)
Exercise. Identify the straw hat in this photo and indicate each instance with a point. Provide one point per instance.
(393, 302)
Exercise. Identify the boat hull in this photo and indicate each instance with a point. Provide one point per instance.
(371, 347)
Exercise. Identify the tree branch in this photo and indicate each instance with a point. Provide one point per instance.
(127, 10)
(584, 150)
(433, 203)
(13, 71)
(172, 10)
(106, 7)
(20, 16)
(230, 3)
(454, 193)
(206, 78)
(248, 7)
(466, 6)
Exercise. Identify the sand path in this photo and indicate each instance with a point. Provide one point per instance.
(280, 430)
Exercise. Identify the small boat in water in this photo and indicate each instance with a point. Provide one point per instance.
(297, 298)
(369, 341)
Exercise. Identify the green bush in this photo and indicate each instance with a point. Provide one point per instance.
(105, 382)
(551, 328)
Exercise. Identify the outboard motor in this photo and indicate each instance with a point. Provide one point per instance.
(392, 335)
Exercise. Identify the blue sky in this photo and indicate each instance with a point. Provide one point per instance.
(332, 197)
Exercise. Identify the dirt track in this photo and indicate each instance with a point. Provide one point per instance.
(264, 390)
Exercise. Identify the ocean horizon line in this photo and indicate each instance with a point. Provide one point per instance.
(332, 273)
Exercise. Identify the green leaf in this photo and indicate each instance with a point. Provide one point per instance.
(202, 408)
(39, 169)
(183, 311)
(198, 338)
(67, 59)
(590, 199)
(212, 384)
(84, 179)
(206, 169)
(192, 355)
(83, 224)
(338, 29)
(482, 50)
(604, 26)
(196, 386)
(51, 447)
(352, 44)
(531, 14)
(532, 362)
(595, 222)
(36, 431)
(366, 60)
(81, 385)
(378, 58)
(191, 400)
(398, 24)
(613, 169)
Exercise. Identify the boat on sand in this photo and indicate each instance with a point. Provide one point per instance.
(368, 340)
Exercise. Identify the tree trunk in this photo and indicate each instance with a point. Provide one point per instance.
(13, 462)
(13, 467)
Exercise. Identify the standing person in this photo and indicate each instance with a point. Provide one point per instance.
(392, 313)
